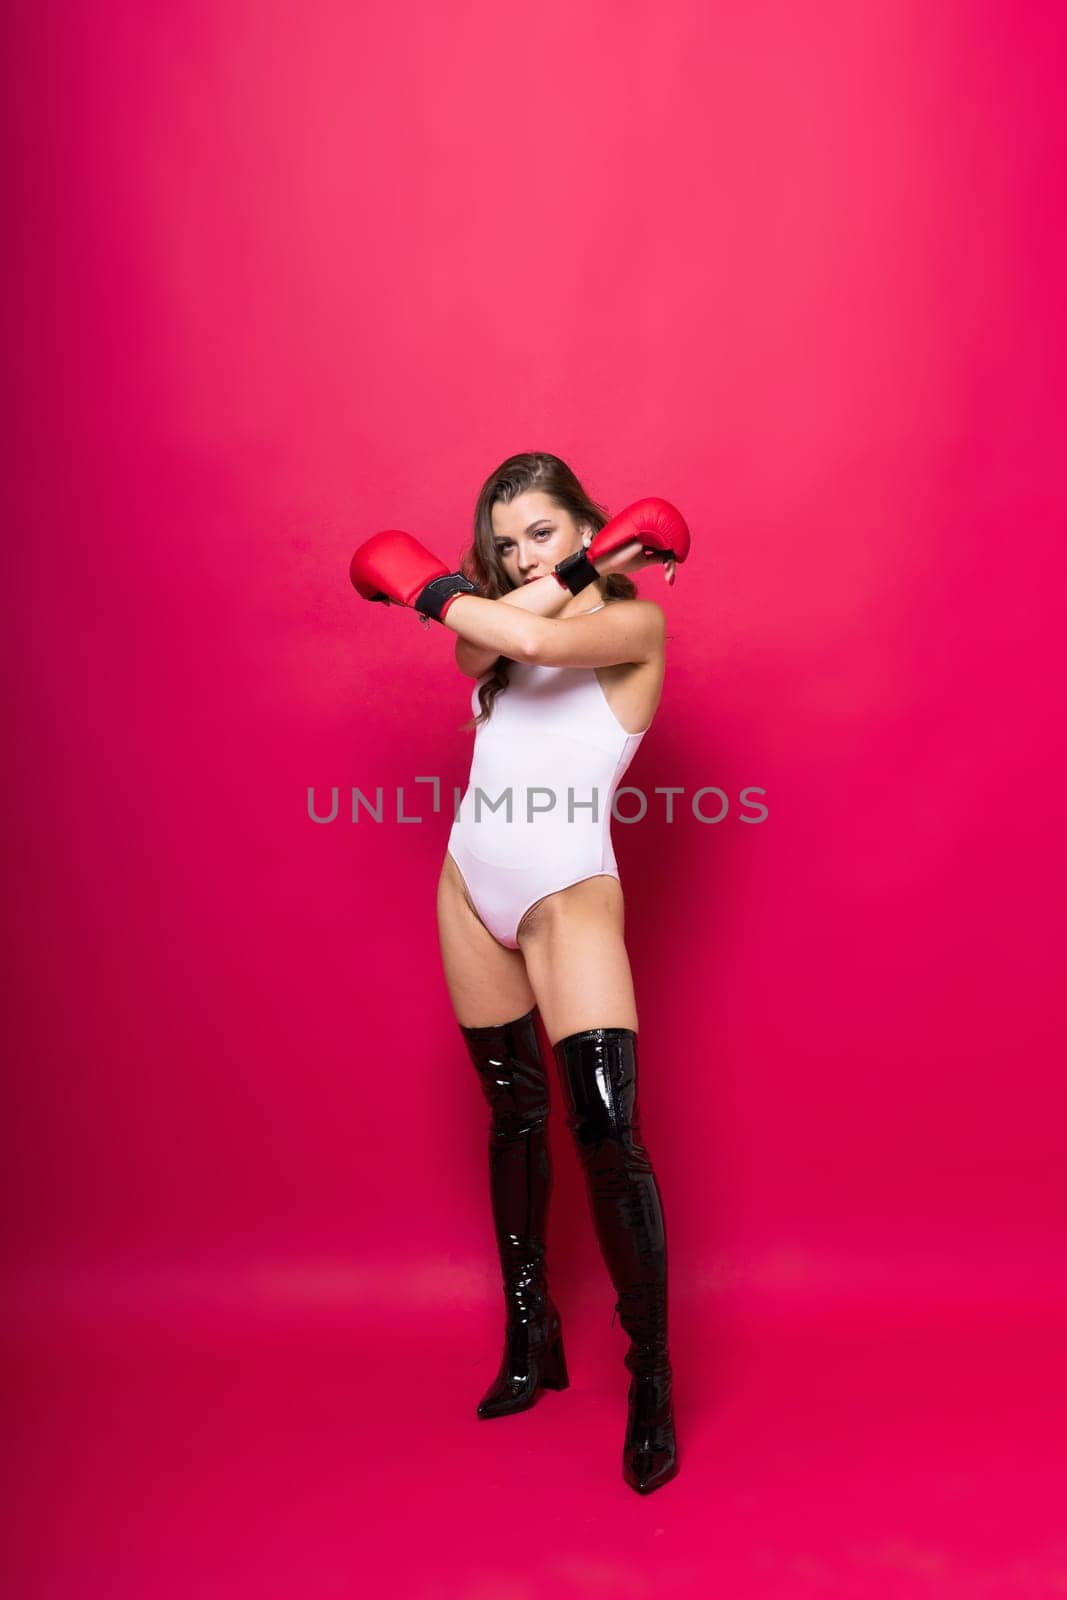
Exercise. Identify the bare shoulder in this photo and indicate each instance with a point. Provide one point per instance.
(651, 609)
(649, 616)
(619, 632)
(640, 626)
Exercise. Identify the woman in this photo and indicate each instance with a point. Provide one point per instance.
(529, 904)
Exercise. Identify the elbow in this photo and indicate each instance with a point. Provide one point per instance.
(529, 644)
(530, 650)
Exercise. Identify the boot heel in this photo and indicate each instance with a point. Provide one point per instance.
(554, 1371)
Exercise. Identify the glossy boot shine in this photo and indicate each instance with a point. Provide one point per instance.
(598, 1075)
(510, 1069)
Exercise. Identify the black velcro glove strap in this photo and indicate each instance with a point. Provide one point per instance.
(577, 571)
(441, 589)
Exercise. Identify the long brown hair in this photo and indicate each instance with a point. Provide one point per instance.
(548, 475)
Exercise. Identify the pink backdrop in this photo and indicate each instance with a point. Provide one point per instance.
(289, 274)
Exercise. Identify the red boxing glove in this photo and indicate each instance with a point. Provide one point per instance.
(654, 523)
(395, 566)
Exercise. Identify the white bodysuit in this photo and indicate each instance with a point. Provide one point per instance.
(551, 747)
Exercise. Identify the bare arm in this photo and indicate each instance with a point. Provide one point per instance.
(543, 598)
(628, 630)
(546, 597)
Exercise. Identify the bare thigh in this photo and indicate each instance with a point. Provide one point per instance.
(487, 983)
(576, 959)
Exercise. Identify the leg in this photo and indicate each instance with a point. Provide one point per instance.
(598, 1074)
(580, 973)
(575, 956)
(486, 981)
(507, 1058)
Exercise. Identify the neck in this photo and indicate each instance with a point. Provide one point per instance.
(588, 600)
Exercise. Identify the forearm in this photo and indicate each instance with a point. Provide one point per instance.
(499, 630)
(545, 597)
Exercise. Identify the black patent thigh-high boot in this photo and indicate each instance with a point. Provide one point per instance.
(513, 1079)
(598, 1075)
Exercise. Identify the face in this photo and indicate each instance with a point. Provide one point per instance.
(532, 534)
